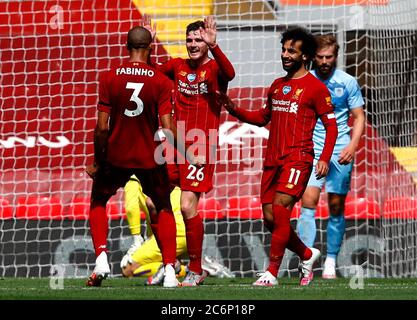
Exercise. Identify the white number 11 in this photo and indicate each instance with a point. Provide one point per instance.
(297, 175)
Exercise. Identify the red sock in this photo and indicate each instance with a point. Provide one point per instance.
(167, 234)
(280, 237)
(99, 227)
(194, 230)
(296, 245)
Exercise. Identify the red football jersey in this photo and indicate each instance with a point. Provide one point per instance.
(294, 106)
(195, 88)
(134, 94)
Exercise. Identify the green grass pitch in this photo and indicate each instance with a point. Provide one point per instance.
(213, 289)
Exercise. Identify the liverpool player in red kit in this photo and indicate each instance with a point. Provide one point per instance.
(197, 113)
(130, 98)
(294, 103)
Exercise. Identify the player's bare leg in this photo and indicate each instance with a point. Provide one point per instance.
(194, 233)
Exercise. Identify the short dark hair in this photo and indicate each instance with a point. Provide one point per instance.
(193, 26)
(308, 43)
(327, 40)
(139, 38)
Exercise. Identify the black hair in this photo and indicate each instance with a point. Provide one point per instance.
(308, 43)
(138, 38)
(196, 25)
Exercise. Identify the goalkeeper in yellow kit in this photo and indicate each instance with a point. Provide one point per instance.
(144, 257)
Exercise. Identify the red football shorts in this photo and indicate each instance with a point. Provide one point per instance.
(154, 182)
(191, 178)
(197, 179)
(173, 174)
(290, 178)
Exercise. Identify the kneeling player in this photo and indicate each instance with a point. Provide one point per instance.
(144, 258)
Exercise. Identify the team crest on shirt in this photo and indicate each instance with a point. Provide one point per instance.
(286, 89)
(338, 92)
(191, 77)
(297, 94)
(182, 73)
(203, 75)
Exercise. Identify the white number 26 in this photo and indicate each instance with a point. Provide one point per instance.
(195, 173)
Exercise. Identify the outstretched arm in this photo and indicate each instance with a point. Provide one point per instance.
(259, 117)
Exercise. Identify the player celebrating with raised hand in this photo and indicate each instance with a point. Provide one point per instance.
(131, 97)
(347, 99)
(294, 103)
(197, 113)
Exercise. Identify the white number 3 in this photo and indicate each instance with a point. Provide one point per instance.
(199, 175)
(135, 98)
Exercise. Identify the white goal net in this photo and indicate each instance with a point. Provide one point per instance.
(51, 55)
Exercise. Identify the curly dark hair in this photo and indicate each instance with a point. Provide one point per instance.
(308, 42)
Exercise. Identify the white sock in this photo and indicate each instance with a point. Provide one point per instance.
(330, 260)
